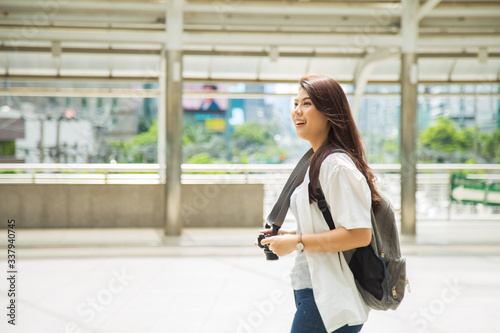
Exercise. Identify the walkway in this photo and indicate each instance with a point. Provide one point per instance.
(214, 280)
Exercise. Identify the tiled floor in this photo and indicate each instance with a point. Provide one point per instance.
(215, 281)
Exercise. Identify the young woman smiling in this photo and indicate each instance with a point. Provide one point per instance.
(326, 296)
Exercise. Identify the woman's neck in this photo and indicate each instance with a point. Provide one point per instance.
(317, 143)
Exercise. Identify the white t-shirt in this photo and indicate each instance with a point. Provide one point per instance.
(300, 275)
(349, 198)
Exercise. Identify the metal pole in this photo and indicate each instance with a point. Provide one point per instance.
(162, 117)
(409, 130)
(40, 143)
(476, 131)
(173, 190)
(409, 156)
(173, 223)
(58, 138)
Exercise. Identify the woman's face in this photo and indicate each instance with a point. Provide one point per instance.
(310, 124)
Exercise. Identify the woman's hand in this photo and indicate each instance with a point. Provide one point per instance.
(280, 232)
(281, 244)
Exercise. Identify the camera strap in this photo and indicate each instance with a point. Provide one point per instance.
(278, 213)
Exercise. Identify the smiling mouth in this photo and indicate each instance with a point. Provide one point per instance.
(300, 123)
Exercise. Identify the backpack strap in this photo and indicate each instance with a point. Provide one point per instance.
(322, 204)
(323, 207)
(280, 209)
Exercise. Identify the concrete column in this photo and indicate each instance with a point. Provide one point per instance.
(409, 157)
(173, 223)
(58, 138)
(41, 142)
(173, 103)
(409, 130)
(162, 118)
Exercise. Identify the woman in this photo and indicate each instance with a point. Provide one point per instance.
(326, 296)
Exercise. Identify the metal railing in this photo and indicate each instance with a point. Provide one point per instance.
(433, 180)
(131, 173)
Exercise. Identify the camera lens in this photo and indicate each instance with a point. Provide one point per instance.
(270, 255)
(259, 240)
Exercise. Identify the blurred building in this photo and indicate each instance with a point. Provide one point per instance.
(12, 128)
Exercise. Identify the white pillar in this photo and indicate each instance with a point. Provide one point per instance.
(409, 130)
(162, 117)
(174, 112)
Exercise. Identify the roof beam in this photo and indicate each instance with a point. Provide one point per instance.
(486, 11)
(153, 78)
(154, 93)
(77, 5)
(468, 41)
(265, 8)
(311, 9)
(291, 39)
(362, 73)
(427, 8)
(194, 52)
(16, 37)
(219, 8)
(268, 8)
(451, 69)
(19, 35)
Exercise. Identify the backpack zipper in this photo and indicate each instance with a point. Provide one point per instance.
(407, 285)
(382, 256)
(394, 292)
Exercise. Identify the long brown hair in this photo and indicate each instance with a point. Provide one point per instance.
(329, 98)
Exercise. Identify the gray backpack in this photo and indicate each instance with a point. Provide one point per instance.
(379, 270)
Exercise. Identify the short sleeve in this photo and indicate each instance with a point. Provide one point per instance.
(346, 191)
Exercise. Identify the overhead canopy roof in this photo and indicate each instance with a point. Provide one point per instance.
(241, 40)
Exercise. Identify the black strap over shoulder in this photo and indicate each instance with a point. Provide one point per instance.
(322, 204)
(323, 207)
(280, 209)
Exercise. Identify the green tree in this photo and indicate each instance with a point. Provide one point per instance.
(444, 142)
(254, 142)
(251, 142)
(148, 138)
(252, 137)
(442, 137)
(490, 146)
(143, 147)
(201, 147)
(466, 139)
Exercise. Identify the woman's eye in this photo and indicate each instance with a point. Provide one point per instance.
(307, 103)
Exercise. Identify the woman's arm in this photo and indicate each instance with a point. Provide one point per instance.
(338, 240)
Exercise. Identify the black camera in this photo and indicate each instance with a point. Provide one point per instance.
(270, 255)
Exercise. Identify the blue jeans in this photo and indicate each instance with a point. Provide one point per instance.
(307, 318)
